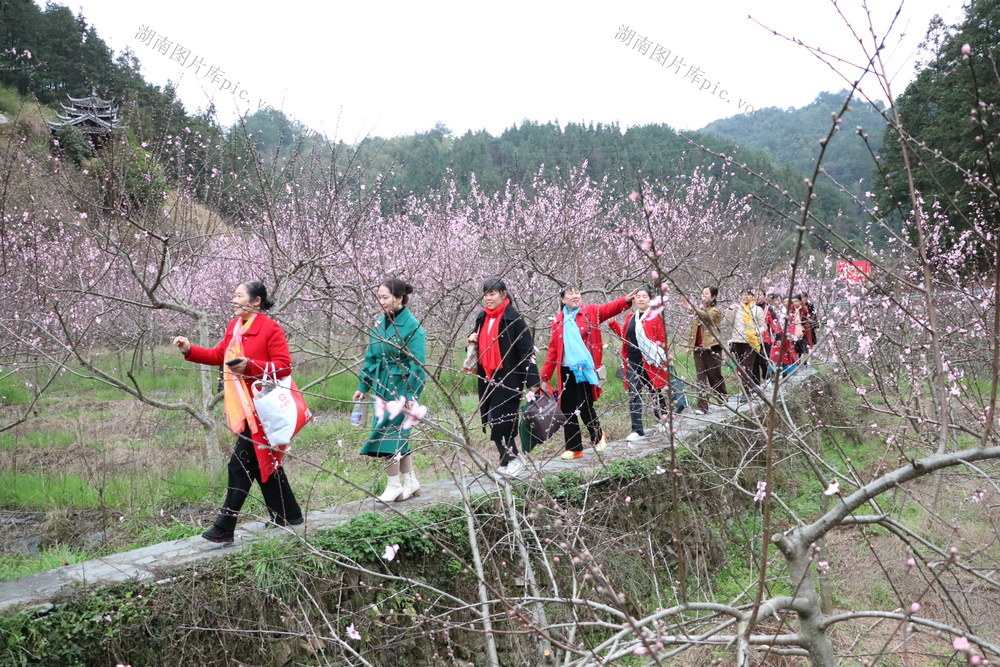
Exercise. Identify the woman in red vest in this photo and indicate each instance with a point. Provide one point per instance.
(252, 341)
(577, 353)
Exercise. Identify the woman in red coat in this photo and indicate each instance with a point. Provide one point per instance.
(576, 353)
(252, 341)
(644, 358)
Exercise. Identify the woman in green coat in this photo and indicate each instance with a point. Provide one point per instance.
(393, 371)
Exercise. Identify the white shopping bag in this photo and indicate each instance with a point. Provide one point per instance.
(280, 407)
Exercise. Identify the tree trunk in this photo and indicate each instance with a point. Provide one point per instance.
(213, 457)
(492, 658)
(539, 618)
(806, 603)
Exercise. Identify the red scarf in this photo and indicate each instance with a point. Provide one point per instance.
(489, 345)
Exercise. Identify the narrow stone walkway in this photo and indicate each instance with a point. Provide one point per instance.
(153, 563)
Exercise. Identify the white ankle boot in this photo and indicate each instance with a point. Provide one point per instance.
(393, 490)
(411, 487)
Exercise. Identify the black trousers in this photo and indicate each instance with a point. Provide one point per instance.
(243, 471)
(577, 402)
(744, 355)
(760, 363)
(500, 410)
(801, 347)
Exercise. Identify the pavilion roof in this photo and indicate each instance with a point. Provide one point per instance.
(93, 101)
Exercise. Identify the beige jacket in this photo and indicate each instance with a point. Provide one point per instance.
(734, 318)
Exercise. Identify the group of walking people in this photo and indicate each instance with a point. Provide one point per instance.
(770, 335)
(392, 375)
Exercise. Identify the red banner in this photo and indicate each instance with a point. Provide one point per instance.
(853, 271)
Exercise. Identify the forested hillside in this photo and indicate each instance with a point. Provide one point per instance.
(623, 156)
(50, 53)
(951, 111)
(791, 136)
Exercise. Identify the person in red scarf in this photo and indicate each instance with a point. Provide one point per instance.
(506, 367)
(252, 341)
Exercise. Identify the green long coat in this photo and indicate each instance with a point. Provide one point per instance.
(393, 368)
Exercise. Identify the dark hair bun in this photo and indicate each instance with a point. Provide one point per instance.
(398, 288)
(256, 289)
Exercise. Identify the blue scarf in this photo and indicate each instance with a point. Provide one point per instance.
(576, 356)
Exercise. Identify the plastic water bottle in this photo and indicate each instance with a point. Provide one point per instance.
(358, 413)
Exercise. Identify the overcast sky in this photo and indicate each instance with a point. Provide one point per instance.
(392, 68)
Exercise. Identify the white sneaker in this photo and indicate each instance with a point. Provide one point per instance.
(699, 412)
(502, 470)
(515, 468)
(633, 436)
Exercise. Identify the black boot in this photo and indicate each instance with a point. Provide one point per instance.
(218, 535)
(281, 522)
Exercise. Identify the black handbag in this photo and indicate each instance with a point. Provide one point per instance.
(540, 419)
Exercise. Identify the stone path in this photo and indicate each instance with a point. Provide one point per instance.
(152, 563)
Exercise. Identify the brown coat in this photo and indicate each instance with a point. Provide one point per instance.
(710, 320)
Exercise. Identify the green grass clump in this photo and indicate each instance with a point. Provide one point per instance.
(69, 636)
(10, 101)
(13, 391)
(327, 431)
(364, 537)
(566, 486)
(36, 438)
(15, 566)
(189, 484)
(43, 492)
(628, 469)
(175, 530)
(331, 395)
(275, 565)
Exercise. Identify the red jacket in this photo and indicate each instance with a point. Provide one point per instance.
(659, 376)
(589, 319)
(264, 342)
